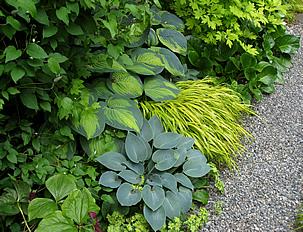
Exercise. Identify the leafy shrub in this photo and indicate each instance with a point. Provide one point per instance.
(208, 113)
(153, 173)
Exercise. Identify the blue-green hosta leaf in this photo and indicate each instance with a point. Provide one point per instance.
(99, 90)
(171, 62)
(146, 131)
(167, 140)
(193, 153)
(186, 142)
(110, 179)
(60, 185)
(195, 167)
(112, 160)
(184, 180)
(182, 157)
(159, 89)
(171, 205)
(125, 84)
(185, 199)
(127, 195)
(153, 197)
(136, 148)
(78, 204)
(173, 39)
(56, 222)
(41, 208)
(169, 181)
(130, 176)
(156, 219)
(156, 126)
(154, 180)
(137, 168)
(169, 20)
(165, 159)
(288, 43)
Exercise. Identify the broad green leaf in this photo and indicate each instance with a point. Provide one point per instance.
(17, 73)
(186, 142)
(125, 84)
(195, 167)
(171, 205)
(167, 140)
(169, 181)
(137, 168)
(49, 31)
(46, 106)
(112, 160)
(268, 89)
(13, 90)
(196, 154)
(156, 126)
(146, 131)
(29, 100)
(78, 204)
(35, 51)
(185, 199)
(165, 159)
(74, 29)
(53, 65)
(62, 14)
(159, 89)
(201, 196)
(13, 22)
(169, 20)
(42, 17)
(100, 90)
(136, 148)
(248, 61)
(11, 53)
(12, 156)
(60, 186)
(127, 195)
(152, 39)
(110, 179)
(130, 176)
(184, 180)
(111, 24)
(153, 197)
(288, 43)
(154, 180)
(56, 222)
(268, 75)
(156, 219)
(41, 208)
(173, 39)
(171, 62)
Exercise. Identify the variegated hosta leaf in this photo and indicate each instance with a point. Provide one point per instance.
(125, 84)
(101, 63)
(173, 39)
(169, 20)
(152, 39)
(159, 89)
(99, 90)
(171, 62)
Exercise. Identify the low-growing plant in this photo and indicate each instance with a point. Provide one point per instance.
(156, 169)
(299, 219)
(207, 112)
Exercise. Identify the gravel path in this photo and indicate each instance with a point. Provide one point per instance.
(267, 190)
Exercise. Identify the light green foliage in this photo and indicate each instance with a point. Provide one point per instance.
(215, 173)
(207, 112)
(158, 175)
(230, 21)
(218, 207)
(299, 220)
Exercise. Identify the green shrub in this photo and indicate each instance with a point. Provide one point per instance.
(208, 113)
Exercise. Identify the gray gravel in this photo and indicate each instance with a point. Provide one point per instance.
(266, 192)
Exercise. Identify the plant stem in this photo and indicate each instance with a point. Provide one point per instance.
(24, 219)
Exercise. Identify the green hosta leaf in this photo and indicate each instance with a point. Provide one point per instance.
(62, 14)
(169, 20)
(171, 62)
(184, 180)
(169, 181)
(125, 84)
(74, 29)
(248, 61)
(29, 100)
(110, 179)
(171, 205)
(156, 219)
(49, 31)
(127, 196)
(17, 73)
(78, 204)
(186, 142)
(196, 154)
(173, 39)
(159, 89)
(185, 199)
(137, 168)
(165, 159)
(156, 126)
(153, 197)
(11, 53)
(137, 149)
(35, 51)
(56, 222)
(201, 196)
(100, 90)
(60, 186)
(112, 160)
(167, 140)
(130, 176)
(154, 180)
(195, 167)
(288, 43)
(152, 39)
(146, 131)
(41, 208)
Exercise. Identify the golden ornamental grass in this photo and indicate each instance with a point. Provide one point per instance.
(208, 113)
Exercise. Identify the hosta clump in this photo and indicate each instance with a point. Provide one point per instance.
(155, 169)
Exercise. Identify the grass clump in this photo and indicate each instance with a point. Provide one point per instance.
(208, 113)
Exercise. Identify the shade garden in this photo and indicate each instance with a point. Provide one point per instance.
(117, 115)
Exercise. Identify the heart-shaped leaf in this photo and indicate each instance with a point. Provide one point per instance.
(165, 159)
(185, 199)
(136, 148)
(137, 168)
(173, 39)
(156, 126)
(195, 167)
(167, 140)
(110, 179)
(184, 180)
(127, 196)
(112, 160)
(156, 219)
(146, 131)
(169, 181)
(130, 176)
(153, 197)
(171, 205)
(41, 208)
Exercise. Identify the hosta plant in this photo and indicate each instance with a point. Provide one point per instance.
(155, 169)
